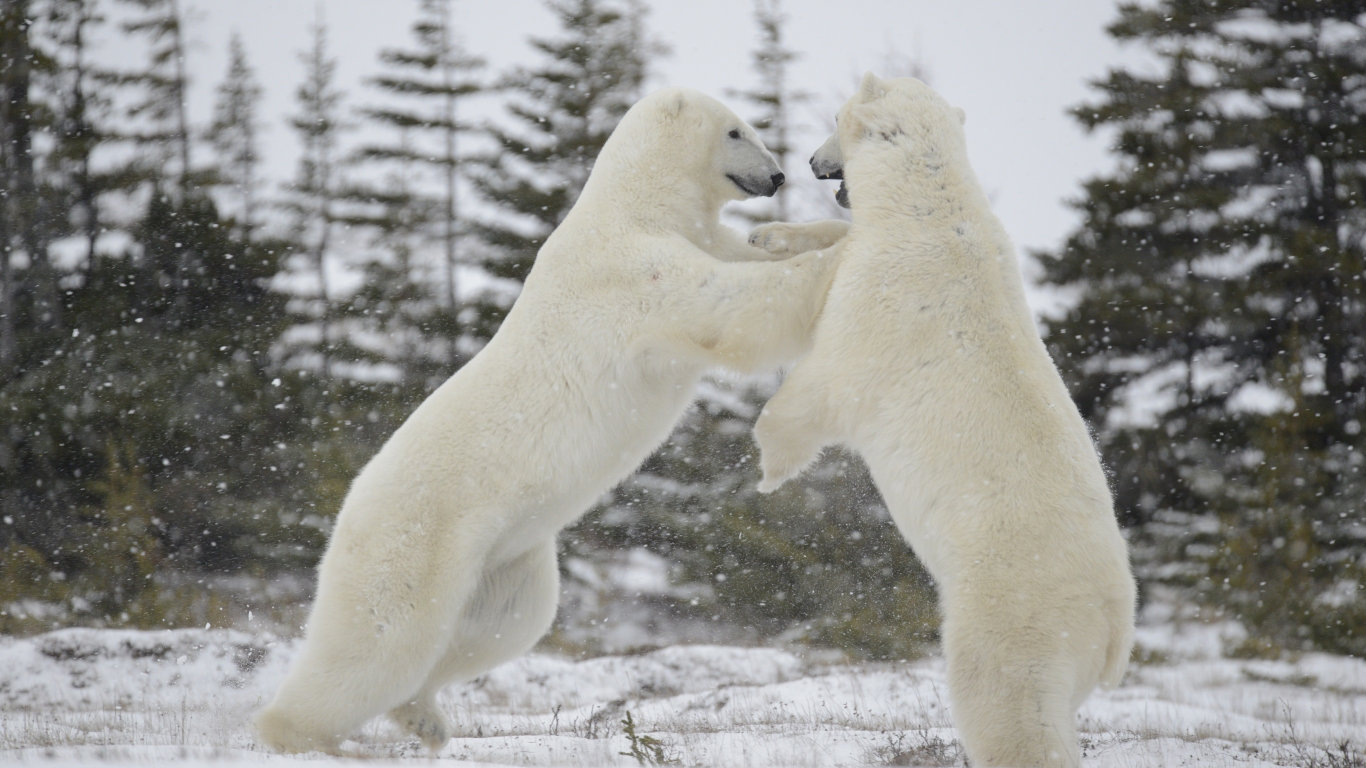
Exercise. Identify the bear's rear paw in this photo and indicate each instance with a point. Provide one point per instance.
(425, 721)
(281, 733)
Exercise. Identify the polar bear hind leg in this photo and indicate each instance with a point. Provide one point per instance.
(423, 718)
(359, 661)
(791, 430)
(512, 607)
(1012, 707)
(343, 679)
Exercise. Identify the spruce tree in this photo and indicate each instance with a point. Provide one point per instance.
(83, 111)
(561, 112)
(773, 98)
(18, 233)
(235, 132)
(159, 114)
(31, 211)
(398, 302)
(29, 313)
(313, 198)
(166, 451)
(46, 140)
(425, 85)
(1215, 338)
(144, 407)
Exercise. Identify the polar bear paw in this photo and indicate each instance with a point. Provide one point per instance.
(284, 733)
(424, 719)
(769, 486)
(783, 451)
(775, 238)
(785, 239)
(777, 469)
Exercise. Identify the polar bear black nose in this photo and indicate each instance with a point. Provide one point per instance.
(777, 179)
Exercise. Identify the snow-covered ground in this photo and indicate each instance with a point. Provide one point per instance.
(183, 697)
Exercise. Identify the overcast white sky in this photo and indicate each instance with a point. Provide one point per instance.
(1014, 67)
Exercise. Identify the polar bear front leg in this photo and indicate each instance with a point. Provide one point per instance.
(746, 316)
(727, 244)
(791, 432)
(788, 239)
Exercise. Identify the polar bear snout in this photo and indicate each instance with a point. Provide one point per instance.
(824, 171)
(757, 187)
(748, 164)
(828, 160)
(828, 163)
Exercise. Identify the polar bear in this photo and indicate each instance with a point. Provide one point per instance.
(442, 562)
(926, 361)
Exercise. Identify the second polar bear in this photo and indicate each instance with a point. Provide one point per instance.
(442, 563)
(927, 362)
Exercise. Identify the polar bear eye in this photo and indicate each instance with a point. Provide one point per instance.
(734, 133)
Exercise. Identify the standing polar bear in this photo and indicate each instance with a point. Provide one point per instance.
(926, 361)
(442, 562)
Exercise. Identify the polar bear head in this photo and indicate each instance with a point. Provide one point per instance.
(887, 121)
(677, 141)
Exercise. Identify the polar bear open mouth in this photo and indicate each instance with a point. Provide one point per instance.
(841, 194)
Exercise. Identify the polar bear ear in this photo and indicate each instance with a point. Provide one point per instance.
(673, 106)
(962, 116)
(871, 88)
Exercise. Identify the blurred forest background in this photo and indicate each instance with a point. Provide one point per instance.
(194, 362)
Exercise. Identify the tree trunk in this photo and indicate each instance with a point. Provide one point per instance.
(324, 297)
(18, 137)
(85, 185)
(178, 90)
(447, 82)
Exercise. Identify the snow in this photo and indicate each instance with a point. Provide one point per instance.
(1147, 398)
(1226, 160)
(184, 697)
(1255, 397)
(69, 253)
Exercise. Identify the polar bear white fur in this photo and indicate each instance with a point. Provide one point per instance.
(927, 362)
(442, 563)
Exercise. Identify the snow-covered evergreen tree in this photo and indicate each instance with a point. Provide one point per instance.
(423, 88)
(1215, 338)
